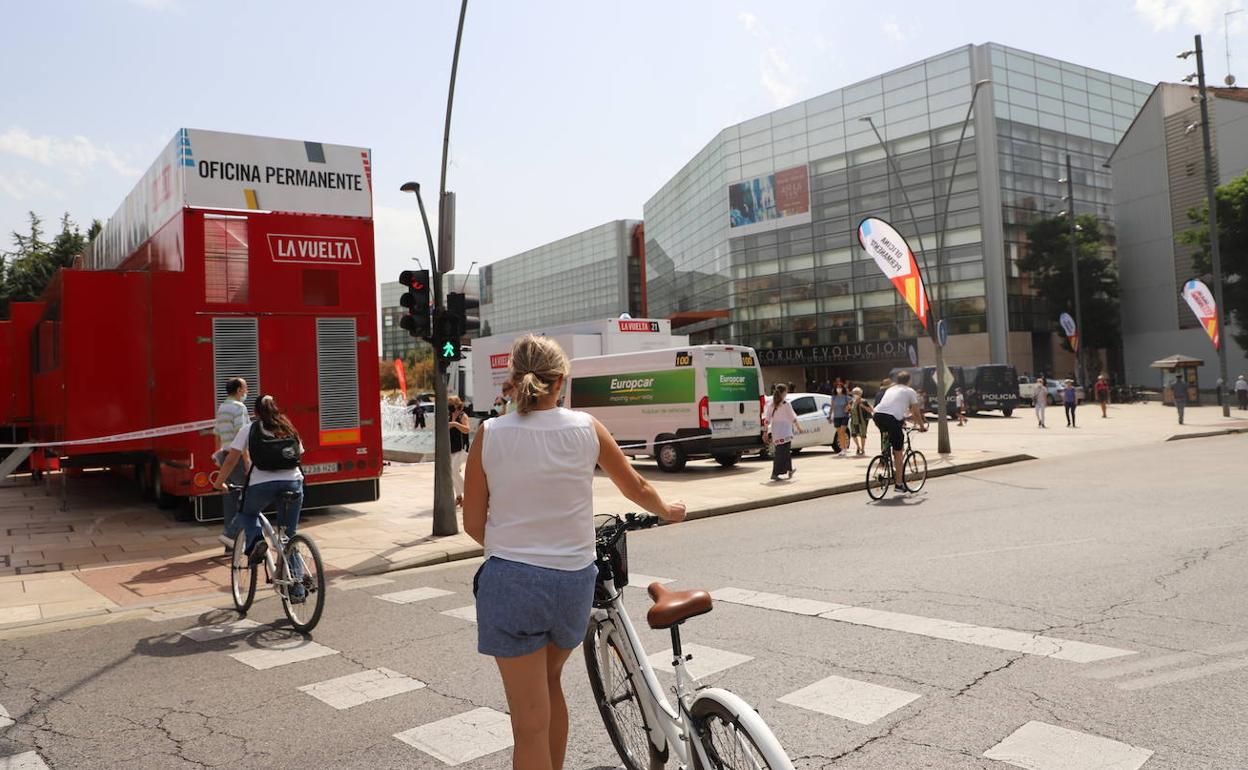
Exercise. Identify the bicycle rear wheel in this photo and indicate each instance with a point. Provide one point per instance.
(916, 470)
(734, 737)
(242, 577)
(615, 692)
(879, 477)
(303, 559)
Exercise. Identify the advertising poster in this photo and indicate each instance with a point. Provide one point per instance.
(1072, 333)
(895, 259)
(766, 200)
(634, 389)
(731, 384)
(1200, 300)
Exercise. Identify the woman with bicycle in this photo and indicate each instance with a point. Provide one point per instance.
(528, 500)
(274, 448)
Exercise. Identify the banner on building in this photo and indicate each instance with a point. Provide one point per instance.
(895, 259)
(398, 370)
(1072, 332)
(1200, 300)
(762, 202)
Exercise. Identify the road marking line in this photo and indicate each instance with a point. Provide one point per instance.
(351, 690)
(1040, 746)
(281, 653)
(775, 601)
(1184, 674)
(1013, 548)
(5, 719)
(984, 636)
(350, 584)
(221, 630)
(463, 737)
(644, 581)
(706, 660)
(468, 613)
(1163, 661)
(414, 595)
(159, 616)
(27, 760)
(860, 702)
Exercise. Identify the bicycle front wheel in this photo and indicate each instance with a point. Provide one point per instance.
(732, 735)
(304, 599)
(615, 688)
(242, 577)
(916, 470)
(879, 478)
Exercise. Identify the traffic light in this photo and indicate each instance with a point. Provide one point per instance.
(460, 305)
(416, 300)
(446, 339)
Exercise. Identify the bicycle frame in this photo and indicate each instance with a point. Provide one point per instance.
(270, 534)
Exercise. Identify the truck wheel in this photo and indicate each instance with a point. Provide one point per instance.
(671, 457)
(727, 461)
(1007, 412)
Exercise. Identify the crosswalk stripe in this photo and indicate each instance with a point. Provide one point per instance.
(5, 719)
(643, 581)
(775, 601)
(352, 583)
(1162, 661)
(468, 613)
(706, 660)
(281, 653)
(172, 613)
(217, 631)
(463, 737)
(344, 692)
(860, 702)
(1041, 746)
(27, 760)
(1184, 674)
(414, 595)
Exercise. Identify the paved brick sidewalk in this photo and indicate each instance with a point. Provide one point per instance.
(110, 551)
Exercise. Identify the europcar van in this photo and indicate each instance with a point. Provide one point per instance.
(675, 404)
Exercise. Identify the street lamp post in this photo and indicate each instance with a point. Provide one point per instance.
(1211, 184)
(1074, 269)
(942, 421)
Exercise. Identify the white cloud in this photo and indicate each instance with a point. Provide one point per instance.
(75, 154)
(775, 72)
(21, 186)
(1204, 15)
(748, 20)
(892, 31)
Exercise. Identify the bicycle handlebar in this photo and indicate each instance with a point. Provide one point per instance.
(612, 532)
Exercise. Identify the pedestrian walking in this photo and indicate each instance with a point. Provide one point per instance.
(840, 418)
(530, 503)
(859, 418)
(1241, 391)
(232, 417)
(1040, 397)
(1179, 389)
(1070, 401)
(779, 425)
(418, 413)
(959, 406)
(1101, 391)
(459, 429)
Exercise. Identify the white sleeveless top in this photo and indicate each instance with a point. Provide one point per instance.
(539, 468)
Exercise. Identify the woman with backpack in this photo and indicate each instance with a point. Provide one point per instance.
(273, 445)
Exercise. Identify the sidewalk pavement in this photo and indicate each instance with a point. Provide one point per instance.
(111, 553)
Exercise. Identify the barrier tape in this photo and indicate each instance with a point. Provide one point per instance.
(166, 430)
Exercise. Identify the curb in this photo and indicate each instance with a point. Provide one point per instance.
(1208, 434)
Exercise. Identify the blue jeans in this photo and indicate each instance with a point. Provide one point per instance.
(258, 497)
(229, 502)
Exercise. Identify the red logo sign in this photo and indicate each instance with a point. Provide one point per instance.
(500, 361)
(314, 249)
(639, 326)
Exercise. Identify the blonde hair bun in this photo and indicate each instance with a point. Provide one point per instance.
(537, 363)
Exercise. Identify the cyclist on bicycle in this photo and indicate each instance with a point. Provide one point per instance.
(274, 448)
(899, 401)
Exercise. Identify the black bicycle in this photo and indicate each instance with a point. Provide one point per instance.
(881, 475)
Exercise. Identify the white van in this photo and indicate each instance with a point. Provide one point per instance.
(675, 404)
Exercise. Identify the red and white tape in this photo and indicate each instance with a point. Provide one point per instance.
(166, 430)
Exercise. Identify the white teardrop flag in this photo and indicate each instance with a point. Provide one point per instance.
(1200, 300)
(895, 259)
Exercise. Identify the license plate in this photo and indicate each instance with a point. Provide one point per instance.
(721, 424)
(319, 468)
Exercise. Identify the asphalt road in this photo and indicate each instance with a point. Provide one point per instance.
(1069, 613)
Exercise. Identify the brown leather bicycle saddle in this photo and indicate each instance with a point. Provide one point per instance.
(673, 607)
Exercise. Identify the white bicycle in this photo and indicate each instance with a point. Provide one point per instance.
(707, 728)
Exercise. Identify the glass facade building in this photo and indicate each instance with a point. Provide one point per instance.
(395, 341)
(591, 275)
(755, 239)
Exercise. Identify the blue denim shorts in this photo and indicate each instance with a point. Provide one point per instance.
(522, 608)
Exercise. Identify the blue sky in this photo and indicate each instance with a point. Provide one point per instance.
(568, 113)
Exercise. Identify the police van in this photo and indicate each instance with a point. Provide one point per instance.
(674, 404)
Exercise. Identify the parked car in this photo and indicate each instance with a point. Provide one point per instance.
(814, 412)
(1027, 385)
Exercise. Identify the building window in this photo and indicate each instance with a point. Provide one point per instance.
(225, 259)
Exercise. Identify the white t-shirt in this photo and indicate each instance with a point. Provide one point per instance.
(1040, 394)
(1241, 384)
(539, 468)
(780, 421)
(259, 476)
(897, 401)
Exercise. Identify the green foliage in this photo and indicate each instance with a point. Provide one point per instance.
(27, 269)
(1048, 262)
(1232, 200)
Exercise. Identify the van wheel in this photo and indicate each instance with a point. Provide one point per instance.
(671, 457)
(1007, 412)
(727, 461)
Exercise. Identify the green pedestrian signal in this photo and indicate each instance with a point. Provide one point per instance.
(448, 350)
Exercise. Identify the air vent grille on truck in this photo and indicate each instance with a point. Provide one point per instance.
(235, 353)
(338, 380)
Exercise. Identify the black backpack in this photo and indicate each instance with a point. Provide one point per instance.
(270, 453)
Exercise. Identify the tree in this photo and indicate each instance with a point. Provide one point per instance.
(389, 379)
(33, 261)
(1232, 199)
(1048, 262)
